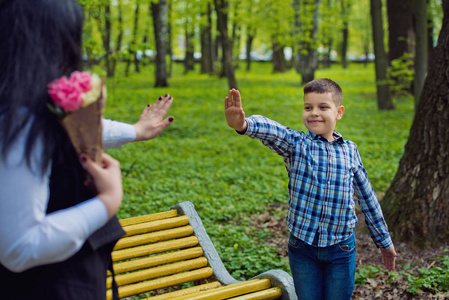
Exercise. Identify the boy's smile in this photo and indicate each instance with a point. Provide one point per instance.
(321, 114)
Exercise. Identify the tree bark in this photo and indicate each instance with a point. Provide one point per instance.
(384, 101)
(159, 11)
(416, 205)
(401, 34)
(222, 19)
(345, 33)
(189, 59)
(421, 47)
(206, 42)
(249, 43)
(133, 45)
(278, 58)
(119, 38)
(307, 56)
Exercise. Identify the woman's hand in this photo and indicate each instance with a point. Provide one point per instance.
(151, 121)
(107, 180)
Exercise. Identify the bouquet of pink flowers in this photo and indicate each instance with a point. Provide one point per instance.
(78, 101)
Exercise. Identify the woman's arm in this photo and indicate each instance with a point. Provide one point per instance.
(28, 236)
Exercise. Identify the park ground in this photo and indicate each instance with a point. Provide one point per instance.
(372, 281)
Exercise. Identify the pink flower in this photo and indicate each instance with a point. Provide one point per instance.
(66, 94)
(82, 79)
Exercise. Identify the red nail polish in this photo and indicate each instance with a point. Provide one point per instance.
(160, 98)
(83, 158)
(166, 95)
(170, 119)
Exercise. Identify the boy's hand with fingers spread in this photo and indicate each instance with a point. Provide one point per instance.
(235, 116)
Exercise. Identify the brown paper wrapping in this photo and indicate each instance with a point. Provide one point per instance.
(84, 128)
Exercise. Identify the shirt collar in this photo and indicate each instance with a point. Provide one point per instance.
(338, 138)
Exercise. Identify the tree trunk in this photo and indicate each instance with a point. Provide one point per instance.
(236, 35)
(381, 64)
(278, 58)
(119, 38)
(307, 56)
(221, 8)
(189, 59)
(401, 32)
(417, 203)
(249, 43)
(421, 47)
(345, 32)
(206, 42)
(133, 45)
(169, 39)
(106, 37)
(159, 11)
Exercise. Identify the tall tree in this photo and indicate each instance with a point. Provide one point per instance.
(345, 7)
(421, 24)
(384, 101)
(133, 44)
(118, 45)
(221, 7)
(306, 22)
(206, 39)
(417, 203)
(159, 11)
(401, 33)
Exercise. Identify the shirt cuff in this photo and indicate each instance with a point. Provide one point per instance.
(94, 212)
(116, 134)
(385, 243)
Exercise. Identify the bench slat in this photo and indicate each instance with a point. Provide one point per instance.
(156, 225)
(140, 251)
(270, 294)
(157, 272)
(142, 287)
(157, 260)
(149, 218)
(229, 291)
(187, 291)
(154, 237)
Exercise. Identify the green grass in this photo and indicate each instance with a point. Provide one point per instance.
(230, 177)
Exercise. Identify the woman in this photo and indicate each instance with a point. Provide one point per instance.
(56, 235)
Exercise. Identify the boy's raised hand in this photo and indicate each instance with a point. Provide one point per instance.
(235, 116)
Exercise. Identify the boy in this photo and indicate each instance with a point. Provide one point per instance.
(324, 172)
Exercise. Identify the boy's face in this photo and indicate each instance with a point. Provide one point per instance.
(321, 114)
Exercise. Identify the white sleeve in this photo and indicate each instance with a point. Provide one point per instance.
(116, 134)
(28, 236)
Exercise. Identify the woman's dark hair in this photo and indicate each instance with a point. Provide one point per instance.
(40, 41)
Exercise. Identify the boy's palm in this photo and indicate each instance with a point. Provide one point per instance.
(235, 116)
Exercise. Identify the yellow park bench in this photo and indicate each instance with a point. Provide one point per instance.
(163, 251)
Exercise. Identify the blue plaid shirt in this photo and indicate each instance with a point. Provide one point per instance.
(323, 177)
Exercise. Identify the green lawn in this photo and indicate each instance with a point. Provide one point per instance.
(228, 177)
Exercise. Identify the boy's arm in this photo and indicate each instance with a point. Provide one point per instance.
(235, 116)
(277, 137)
(372, 212)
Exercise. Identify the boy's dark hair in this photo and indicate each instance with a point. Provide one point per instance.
(323, 86)
(41, 41)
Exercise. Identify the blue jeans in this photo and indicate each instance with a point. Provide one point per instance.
(322, 273)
